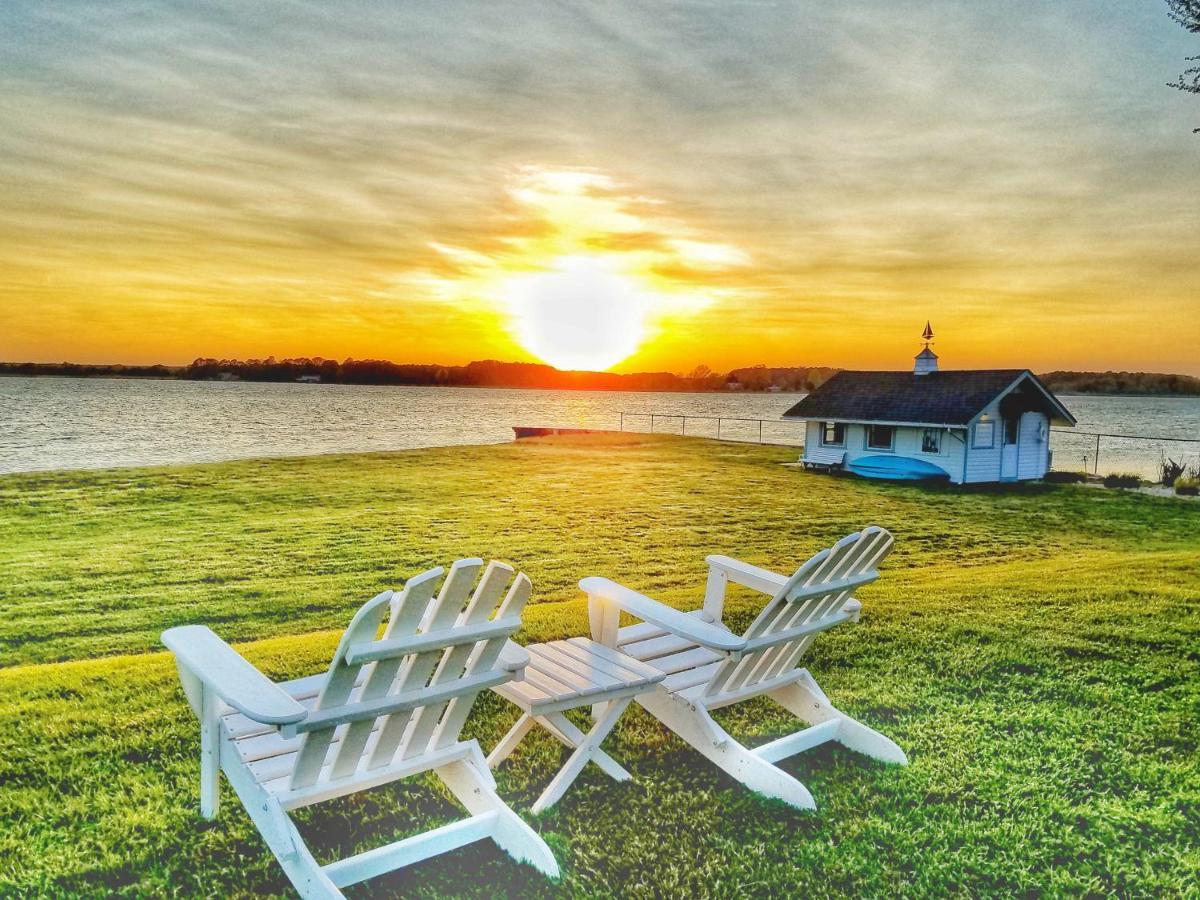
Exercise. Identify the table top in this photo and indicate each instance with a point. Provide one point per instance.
(566, 674)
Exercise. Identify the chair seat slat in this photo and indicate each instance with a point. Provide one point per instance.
(690, 678)
(642, 631)
(278, 765)
(686, 660)
(648, 650)
(362, 779)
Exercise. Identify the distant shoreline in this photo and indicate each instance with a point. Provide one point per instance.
(532, 376)
(525, 387)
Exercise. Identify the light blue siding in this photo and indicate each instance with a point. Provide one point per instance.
(908, 444)
(983, 464)
(815, 453)
(1034, 447)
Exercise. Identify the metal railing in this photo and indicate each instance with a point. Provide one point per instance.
(1095, 456)
(720, 420)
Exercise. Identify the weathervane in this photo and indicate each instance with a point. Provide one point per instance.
(926, 361)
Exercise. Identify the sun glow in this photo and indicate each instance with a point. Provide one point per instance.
(587, 273)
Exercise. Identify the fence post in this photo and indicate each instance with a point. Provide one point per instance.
(684, 431)
(652, 423)
(1096, 470)
(718, 428)
(760, 431)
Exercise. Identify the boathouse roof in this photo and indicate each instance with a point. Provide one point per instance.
(934, 398)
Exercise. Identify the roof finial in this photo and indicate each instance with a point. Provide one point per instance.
(926, 359)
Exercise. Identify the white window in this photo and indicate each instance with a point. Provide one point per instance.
(931, 440)
(833, 434)
(881, 437)
(985, 436)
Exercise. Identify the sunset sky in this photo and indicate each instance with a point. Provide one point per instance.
(649, 186)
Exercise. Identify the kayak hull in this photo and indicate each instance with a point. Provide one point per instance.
(896, 468)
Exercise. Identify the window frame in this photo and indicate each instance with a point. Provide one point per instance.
(836, 427)
(939, 433)
(869, 429)
(976, 442)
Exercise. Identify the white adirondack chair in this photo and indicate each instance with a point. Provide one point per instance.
(708, 666)
(391, 705)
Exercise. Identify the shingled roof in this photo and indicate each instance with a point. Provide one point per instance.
(938, 398)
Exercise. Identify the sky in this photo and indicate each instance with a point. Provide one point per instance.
(640, 186)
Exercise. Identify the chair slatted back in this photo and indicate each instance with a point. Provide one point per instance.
(419, 678)
(810, 602)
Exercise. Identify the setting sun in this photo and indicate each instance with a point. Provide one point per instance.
(581, 314)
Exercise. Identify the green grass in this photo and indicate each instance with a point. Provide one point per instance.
(1034, 650)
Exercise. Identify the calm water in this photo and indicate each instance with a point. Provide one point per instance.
(70, 423)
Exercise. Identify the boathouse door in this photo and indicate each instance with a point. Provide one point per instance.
(1008, 448)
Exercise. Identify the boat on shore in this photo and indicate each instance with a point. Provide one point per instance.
(896, 468)
(526, 431)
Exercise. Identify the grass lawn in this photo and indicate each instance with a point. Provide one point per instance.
(1035, 650)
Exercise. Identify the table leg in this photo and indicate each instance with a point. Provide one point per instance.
(509, 742)
(563, 729)
(586, 750)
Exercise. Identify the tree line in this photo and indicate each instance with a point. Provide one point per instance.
(1122, 383)
(493, 373)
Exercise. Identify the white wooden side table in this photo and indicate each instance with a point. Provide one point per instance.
(563, 675)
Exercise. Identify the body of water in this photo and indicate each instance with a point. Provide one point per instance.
(75, 423)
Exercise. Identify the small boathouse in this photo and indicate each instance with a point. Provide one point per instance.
(969, 426)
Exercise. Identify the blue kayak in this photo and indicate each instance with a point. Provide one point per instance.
(896, 468)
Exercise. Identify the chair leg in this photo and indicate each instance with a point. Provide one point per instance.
(563, 729)
(512, 835)
(805, 700)
(302, 870)
(509, 742)
(210, 754)
(699, 730)
(281, 836)
(585, 751)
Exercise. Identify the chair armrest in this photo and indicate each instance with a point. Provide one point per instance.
(648, 610)
(747, 575)
(513, 658)
(227, 674)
